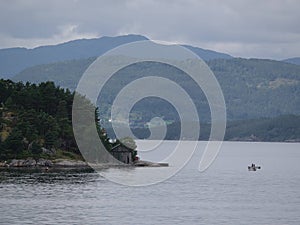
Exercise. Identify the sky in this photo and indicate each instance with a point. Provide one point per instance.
(241, 28)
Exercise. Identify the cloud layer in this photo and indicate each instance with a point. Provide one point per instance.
(264, 29)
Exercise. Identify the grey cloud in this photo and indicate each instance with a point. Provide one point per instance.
(236, 27)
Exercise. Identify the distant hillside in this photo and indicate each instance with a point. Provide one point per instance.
(208, 54)
(253, 88)
(279, 129)
(65, 74)
(295, 60)
(14, 60)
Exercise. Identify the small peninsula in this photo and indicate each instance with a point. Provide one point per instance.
(36, 130)
(36, 127)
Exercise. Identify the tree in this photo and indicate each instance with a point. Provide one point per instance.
(102, 132)
(36, 149)
(3, 152)
(62, 111)
(50, 140)
(14, 142)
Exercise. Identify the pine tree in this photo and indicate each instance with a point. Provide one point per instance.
(14, 143)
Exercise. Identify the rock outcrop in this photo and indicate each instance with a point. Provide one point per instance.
(44, 162)
(32, 163)
(69, 163)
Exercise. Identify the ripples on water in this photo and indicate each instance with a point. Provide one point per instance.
(225, 194)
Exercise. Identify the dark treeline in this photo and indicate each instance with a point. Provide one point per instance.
(279, 129)
(34, 116)
(36, 121)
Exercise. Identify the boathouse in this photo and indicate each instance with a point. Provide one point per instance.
(122, 153)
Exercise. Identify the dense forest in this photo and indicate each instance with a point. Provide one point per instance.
(36, 122)
(33, 118)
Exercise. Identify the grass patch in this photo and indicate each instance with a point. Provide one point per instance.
(67, 155)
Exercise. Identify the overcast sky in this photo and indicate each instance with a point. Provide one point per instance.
(253, 28)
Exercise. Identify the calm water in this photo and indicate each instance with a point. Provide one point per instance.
(225, 194)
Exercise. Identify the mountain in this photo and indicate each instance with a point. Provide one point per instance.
(253, 88)
(207, 54)
(65, 74)
(295, 60)
(14, 60)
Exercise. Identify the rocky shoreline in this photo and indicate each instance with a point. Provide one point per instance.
(46, 164)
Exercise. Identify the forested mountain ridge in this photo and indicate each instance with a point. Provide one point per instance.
(253, 88)
(14, 60)
(256, 88)
(295, 60)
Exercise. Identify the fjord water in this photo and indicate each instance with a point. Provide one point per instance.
(226, 193)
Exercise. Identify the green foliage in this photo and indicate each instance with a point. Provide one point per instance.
(35, 116)
(68, 155)
(38, 116)
(256, 88)
(15, 143)
(102, 132)
(50, 139)
(253, 88)
(36, 149)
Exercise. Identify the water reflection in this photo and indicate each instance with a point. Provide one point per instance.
(23, 176)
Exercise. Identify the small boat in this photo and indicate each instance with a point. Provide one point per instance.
(253, 167)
